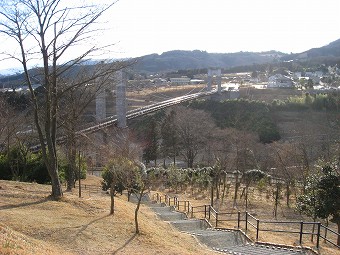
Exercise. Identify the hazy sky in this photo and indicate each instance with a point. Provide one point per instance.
(141, 27)
(153, 26)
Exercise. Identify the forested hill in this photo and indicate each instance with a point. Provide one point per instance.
(328, 52)
(179, 60)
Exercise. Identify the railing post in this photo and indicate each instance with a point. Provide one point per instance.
(192, 212)
(188, 209)
(301, 232)
(209, 212)
(205, 211)
(216, 220)
(325, 236)
(257, 229)
(318, 235)
(246, 221)
(174, 202)
(238, 219)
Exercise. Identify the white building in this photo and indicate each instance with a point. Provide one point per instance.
(280, 81)
(180, 81)
(196, 81)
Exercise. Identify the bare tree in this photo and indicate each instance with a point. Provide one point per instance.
(50, 30)
(124, 171)
(288, 168)
(169, 134)
(194, 128)
(244, 156)
(75, 102)
(7, 129)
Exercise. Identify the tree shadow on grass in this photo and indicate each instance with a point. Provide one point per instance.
(84, 227)
(11, 206)
(125, 244)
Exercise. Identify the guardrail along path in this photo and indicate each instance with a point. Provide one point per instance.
(225, 241)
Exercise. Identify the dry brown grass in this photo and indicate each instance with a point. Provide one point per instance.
(262, 208)
(152, 95)
(32, 223)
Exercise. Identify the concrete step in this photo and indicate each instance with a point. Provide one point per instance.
(154, 204)
(253, 249)
(163, 209)
(217, 238)
(134, 198)
(171, 216)
(226, 241)
(189, 225)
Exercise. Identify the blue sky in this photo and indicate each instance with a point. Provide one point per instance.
(141, 27)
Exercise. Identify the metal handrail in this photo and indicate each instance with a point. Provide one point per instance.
(210, 211)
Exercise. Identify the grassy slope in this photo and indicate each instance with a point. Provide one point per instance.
(31, 223)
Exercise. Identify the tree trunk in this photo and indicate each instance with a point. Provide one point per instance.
(246, 197)
(217, 181)
(137, 208)
(237, 185)
(313, 229)
(276, 199)
(112, 196)
(338, 241)
(57, 192)
(224, 187)
(288, 195)
(212, 195)
(72, 154)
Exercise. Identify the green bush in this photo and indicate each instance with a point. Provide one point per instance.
(37, 171)
(254, 116)
(5, 171)
(28, 168)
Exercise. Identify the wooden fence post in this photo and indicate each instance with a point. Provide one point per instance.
(257, 229)
(301, 232)
(216, 220)
(318, 236)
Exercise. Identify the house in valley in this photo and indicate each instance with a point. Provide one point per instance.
(280, 81)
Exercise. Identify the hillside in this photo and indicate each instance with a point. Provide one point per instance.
(31, 223)
(182, 60)
(179, 60)
(325, 53)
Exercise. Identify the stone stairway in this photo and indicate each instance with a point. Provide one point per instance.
(224, 241)
(255, 249)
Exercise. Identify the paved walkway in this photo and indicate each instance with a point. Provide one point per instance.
(225, 241)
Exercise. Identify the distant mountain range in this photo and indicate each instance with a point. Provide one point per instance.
(182, 60)
(179, 60)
